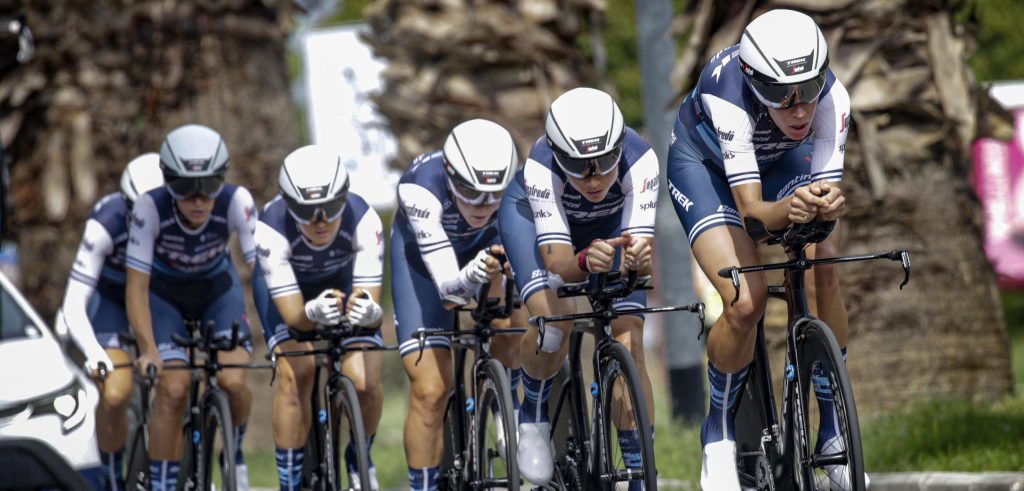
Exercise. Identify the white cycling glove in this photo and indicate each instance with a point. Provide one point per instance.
(475, 272)
(324, 309)
(94, 357)
(364, 311)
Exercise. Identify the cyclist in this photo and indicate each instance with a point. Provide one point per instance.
(179, 269)
(446, 221)
(318, 241)
(589, 187)
(93, 308)
(761, 136)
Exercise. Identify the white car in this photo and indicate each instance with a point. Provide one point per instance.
(43, 396)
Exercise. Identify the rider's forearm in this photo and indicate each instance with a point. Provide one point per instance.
(560, 260)
(773, 214)
(293, 311)
(137, 306)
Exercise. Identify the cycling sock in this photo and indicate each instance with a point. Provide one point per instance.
(827, 422)
(239, 435)
(350, 454)
(289, 468)
(514, 376)
(423, 479)
(163, 475)
(629, 444)
(725, 388)
(535, 405)
(111, 463)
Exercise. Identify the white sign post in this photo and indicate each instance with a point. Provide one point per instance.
(340, 73)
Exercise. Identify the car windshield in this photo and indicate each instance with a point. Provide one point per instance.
(14, 321)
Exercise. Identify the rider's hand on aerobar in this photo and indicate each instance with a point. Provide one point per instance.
(363, 311)
(325, 309)
(484, 267)
(600, 254)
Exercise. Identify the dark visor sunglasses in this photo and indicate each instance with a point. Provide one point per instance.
(784, 96)
(582, 168)
(187, 187)
(307, 214)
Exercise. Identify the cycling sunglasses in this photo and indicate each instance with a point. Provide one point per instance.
(785, 96)
(307, 214)
(471, 196)
(182, 187)
(583, 168)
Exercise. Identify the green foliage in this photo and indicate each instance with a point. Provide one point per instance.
(998, 54)
(948, 436)
(351, 10)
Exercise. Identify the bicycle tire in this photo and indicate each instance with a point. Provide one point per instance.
(450, 476)
(620, 373)
(494, 412)
(350, 415)
(815, 343)
(217, 427)
(136, 471)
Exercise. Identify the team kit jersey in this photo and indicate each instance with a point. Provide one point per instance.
(542, 207)
(94, 300)
(430, 242)
(724, 137)
(192, 277)
(289, 263)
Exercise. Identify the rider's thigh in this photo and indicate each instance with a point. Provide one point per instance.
(725, 246)
(363, 367)
(117, 387)
(628, 330)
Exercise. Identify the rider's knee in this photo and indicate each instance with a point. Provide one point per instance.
(746, 311)
(116, 395)
(173, 392)
(233, 382)
(431, 395)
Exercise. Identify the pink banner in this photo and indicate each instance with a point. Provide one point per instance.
(999, 182)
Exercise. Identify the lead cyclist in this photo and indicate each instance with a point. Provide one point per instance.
(761, 136)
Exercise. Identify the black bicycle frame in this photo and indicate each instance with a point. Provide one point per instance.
(601, 295)
(476, 340)
(794, 291)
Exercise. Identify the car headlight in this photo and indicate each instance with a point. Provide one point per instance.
(69, 404)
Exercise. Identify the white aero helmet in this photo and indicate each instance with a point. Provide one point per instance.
(194, 161)
(314, 184)
(141, 175)
(784, 57)
(585, 131)
(480, 159)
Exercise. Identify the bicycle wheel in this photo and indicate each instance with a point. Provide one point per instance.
(838, 463)
(624, 422)
(494, 445)
(349, 417)
(217, 441)
(137, 467)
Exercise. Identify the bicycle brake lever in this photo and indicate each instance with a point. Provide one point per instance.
(700, 319)
(734, 274)
(421, 337)
(905, 260)
(538, 322)
(273, 361)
